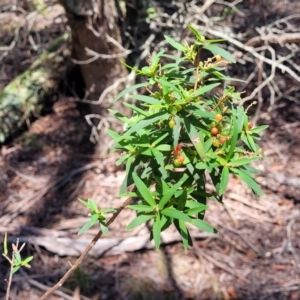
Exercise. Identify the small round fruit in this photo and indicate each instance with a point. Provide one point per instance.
(177, 162)
(213, 124)
(223, 140)
(214, 131)
(218, 117)
(181, 158)
(216, 143)
(250, 126)
(178, 147)
(172, 123)
(176, 152)
(226, 132)
(218, 57)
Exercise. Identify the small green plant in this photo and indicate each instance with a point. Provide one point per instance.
(96, 216)
(181, 133)
(16, 261)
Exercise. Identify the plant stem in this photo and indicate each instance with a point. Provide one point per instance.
(84, 253)
(11, 261)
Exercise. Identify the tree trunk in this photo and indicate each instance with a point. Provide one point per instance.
(94, 27)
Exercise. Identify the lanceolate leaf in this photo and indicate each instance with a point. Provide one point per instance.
(258, 129)
(144, 190)
(224, 180)
(156, 231)
(234, 138)
(220, 51)
(195, 138)
(174, 44)
(139, 220)
(146, 99)
(175, 214)
(129, 89)
(87, 226)
(147, 121)
(243, 161)
(202, 225)
(167, 196)
(249, 181)
(204, 89)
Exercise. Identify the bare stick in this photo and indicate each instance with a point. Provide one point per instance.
(84, 253)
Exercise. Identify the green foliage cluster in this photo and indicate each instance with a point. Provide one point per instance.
(179, 133)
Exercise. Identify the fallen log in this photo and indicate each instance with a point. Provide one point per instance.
(28, 93)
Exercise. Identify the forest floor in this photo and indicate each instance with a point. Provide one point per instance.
(43, 171)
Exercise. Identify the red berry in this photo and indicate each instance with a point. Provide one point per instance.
(214, 131)
(250, 126)
(218, 117)
(176, 152)
(178, 147)
(181, 158)
(223, 140)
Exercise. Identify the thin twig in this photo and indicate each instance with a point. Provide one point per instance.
(84, 253)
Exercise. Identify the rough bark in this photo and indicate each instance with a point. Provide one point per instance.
(93, 23)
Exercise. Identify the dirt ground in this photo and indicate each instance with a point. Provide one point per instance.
(255, 255)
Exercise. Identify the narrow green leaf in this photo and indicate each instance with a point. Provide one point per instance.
(202, 225)
(129, 89)
(167, 196)
(220, 51)
(198, 36)
(139, 220)
(243, 161)
(92, 205)
(104, 229)
(141, 207)
(156, 58)
(204, 89)
(5, 244)
(234, 138)
(247, 178)
(108, 210)
(199, 208)
(158, 156)
(168, 84)
(176, 131)
(94, 218)
(144, 190)
(15, 269)
(18, 258)
(28, 260)
(156, 232)
(258, 129)
(175, 44)
(253, 145)
(119, 116)
(176, 214)
(224, 180)
(135, 108)
(182, 200)
(195, 138)
(160, 138)
(146, 99)
(183, 231)
(147, 121)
